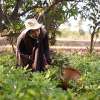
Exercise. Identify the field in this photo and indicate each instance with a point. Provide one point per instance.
(22, 84)
(73, 27)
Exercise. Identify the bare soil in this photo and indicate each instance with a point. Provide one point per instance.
(61, 45)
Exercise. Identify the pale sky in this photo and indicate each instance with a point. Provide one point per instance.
(74, 25)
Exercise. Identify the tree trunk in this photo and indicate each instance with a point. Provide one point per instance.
(92, 42)
(14, 15)
(12, 44)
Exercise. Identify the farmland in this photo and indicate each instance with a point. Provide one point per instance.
(22, 84)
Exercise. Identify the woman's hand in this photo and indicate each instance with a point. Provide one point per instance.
(33, 66)
(47, 66)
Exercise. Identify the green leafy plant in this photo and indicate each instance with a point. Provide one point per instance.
(22, 84)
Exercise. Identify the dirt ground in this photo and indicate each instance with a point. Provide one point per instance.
(62, 44)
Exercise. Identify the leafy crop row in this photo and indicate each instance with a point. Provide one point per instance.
(22, 84)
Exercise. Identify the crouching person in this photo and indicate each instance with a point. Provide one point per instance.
(32, 47)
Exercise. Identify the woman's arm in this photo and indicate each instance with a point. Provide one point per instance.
(22, 58)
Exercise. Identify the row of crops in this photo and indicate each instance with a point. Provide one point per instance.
(22, 84)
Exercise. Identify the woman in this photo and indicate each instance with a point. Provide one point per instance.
(32, 46)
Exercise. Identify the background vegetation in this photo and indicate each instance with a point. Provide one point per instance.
(49, 12)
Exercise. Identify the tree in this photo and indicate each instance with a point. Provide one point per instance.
(91, 11)
(12, 10)
(45, 11)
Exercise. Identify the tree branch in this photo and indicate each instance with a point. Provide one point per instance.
(30, 8)
(1, 12)
(14, 14)
(48, 9)
(52, 6)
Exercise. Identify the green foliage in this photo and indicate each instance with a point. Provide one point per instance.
(22, 84)
(9, 5)
(12, 12)
(91, 11)
(60, 60)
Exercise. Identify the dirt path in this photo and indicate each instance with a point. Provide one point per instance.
(75, 43)
(3, 41)
(61, 45)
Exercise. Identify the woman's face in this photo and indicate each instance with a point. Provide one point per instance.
(36, 33)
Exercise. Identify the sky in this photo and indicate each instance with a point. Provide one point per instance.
(72, 25)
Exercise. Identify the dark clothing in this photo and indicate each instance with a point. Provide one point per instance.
(26, 50)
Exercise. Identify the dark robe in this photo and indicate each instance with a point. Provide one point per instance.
(26, 50)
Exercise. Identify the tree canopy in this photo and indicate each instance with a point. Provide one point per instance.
(11, 11)
(49, 12)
